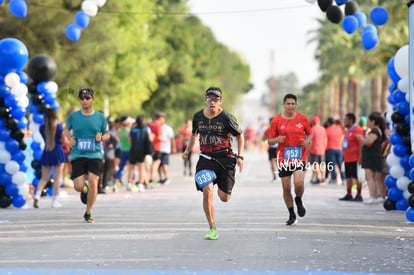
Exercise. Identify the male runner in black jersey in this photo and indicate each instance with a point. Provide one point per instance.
(215, 128)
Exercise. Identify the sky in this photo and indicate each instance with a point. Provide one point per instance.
(256, 28)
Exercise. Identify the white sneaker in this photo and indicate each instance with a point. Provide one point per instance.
(379, 200)
(370, 201)
(56, 204)
(141, 187)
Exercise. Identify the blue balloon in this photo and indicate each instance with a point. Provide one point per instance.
(395, 138)
(11, 189)
(399, 150)
(405, 162)
(18, 112)
(411, 160)
(4, 134)
(5, 178)
(11, 100)
(13, 55)
(394, 194)
(18, 8)
(38, 118)
(23, 167)
(369, 40)
(392, 87)
(379, 15)
(402, 204)
(398, 96)
(339, 2)
(23, 122)
(350, 24)
(390, 181)
(12, 145)
(24, 78)
(4, 90)
(403, 107)
(390, 99)
(369, 28)
(362, 18)
(42, 88)
(391, 70)
(409, 214)
(82, 19)
(73, 32)
(18, 201)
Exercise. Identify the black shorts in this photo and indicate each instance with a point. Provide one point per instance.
(83, 166)
(351, 170)
(117, 153)
(315, 158)
(136, 156)
(287, 170)
(271, 152)
(225, 178)
(156, 156)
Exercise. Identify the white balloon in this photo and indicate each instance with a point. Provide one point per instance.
(23, 101)
(406, 194)
(12, 167)
(33, 126)
(402, 183)
(311, 1)
(2, 145)
(5, 157)
(52, 87)
(19, 89)
(89, 7)
(392, 159)
(397, 171)
(401, 64)
(37, 137)
(23, 189)
(403, 85)
(19, 178)
(12, 79)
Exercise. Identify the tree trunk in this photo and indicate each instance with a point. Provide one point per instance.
(353, 87)
(376, 92)
(385, 93)
(342, 98)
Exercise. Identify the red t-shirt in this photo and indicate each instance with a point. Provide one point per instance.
(318, 140)
(335, 134)
(351, 144)
(156, 129)
(295, 129)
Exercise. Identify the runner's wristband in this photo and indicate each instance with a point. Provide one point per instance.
(240, 157)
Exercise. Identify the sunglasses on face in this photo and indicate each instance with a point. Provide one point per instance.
(213, 99)
(85, 97)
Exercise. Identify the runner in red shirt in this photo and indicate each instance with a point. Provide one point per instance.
(292, 131)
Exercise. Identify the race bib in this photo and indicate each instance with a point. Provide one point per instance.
(294, 152)
(204, 177)
(345, 143)
(86, 144)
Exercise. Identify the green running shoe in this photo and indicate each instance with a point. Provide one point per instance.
(212, 235)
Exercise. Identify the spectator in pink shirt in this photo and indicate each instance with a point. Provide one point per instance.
(317, 151)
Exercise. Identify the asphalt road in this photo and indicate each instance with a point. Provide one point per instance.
(161, 231)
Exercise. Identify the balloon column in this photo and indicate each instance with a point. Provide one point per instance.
(89, 8)
(351, 19)
(18, 8)
(42, 90)
(13, 103)
(400, 181)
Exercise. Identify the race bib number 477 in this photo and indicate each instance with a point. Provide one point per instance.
(86, 144)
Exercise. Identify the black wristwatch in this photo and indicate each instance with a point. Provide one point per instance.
(240, 157)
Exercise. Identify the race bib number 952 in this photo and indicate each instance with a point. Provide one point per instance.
(294, 152)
